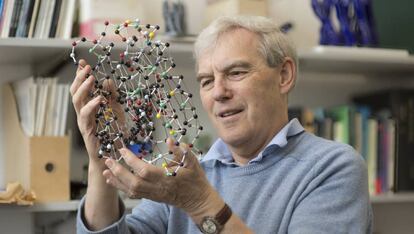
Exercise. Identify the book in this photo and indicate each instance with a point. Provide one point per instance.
(390, 126)
(64, 30)
(365, 113)
(372, 156)
(33, 19)
(48, 19)
(323, 123)
(6, 18)
(55, 19)
(42, 87)
(2, 10)
(41, 19)
(305, 116)
(25, 96)
(15, 18)
(358, 131)
(400, 103)
(2, 3)
(42, 106)
(64, 113)
(25, 18)
(343, 117)
(382, 169)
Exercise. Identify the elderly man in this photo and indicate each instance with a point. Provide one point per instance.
(264, 174)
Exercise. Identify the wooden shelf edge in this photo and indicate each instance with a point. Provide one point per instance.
(393, 198)
(58, 206)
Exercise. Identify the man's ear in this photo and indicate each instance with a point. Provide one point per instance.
(287, 75)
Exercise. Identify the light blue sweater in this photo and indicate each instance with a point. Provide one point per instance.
(300, 183)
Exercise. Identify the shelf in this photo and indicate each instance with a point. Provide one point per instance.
(320, 59)
(34, 51)
(393, 198)
(368, 61)
(58, 206)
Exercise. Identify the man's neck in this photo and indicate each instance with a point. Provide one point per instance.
(247, 151)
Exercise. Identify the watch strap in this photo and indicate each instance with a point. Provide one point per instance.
(223, 215)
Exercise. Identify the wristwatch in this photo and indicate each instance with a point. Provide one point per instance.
(213, 225)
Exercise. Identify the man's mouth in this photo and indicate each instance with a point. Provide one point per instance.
(225, 114)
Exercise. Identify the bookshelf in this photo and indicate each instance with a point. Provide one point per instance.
(24, 50)
(67, 206)
(343, 69)
(320, 60)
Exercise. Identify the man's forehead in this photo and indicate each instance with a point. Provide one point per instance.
(238, 39)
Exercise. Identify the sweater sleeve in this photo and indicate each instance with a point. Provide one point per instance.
(336, 200)
(147, 217)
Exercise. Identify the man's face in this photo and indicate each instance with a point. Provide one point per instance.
(239, 91)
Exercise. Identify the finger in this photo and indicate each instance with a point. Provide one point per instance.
(89, 109)
(110, 87)
(142, 169)
(114, 181)
(182, 153)
(81, 65)
(134, 184)
(80, 97)
(79, 79)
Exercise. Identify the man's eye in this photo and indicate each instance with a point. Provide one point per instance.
(205, 83)
(237, 73)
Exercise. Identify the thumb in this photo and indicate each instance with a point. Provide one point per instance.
(181, 153)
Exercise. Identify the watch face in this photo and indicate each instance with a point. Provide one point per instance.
(209, 226)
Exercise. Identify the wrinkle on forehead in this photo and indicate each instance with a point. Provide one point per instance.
(250, 42)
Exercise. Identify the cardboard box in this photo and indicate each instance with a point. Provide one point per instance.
(219, 8)
(38, 163)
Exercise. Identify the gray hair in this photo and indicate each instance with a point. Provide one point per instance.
(273, 44)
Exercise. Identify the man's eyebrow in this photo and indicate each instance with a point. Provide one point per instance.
(237, 63)
(225, 68)
(201, 76)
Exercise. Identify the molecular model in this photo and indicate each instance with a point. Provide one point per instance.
(153, 103)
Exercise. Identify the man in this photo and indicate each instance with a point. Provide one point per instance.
(264, 175)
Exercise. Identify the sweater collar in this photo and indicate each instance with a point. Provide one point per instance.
(219, 150)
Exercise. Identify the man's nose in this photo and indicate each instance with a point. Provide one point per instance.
(221, 90)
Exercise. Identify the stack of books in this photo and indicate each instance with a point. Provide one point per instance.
(380, 126)
(37, 18)
(42, 106)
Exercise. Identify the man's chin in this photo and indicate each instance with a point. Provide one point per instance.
(233, 139)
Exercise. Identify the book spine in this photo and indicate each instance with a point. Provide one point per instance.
(55, 18)
(405, 144)
(15, 17)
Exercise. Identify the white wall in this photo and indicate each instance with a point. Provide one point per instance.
(299, 12)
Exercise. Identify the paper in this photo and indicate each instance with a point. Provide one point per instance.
(25, 101)
(42, 105)
(16, 194)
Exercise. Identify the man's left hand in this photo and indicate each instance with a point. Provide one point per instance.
(189, 189)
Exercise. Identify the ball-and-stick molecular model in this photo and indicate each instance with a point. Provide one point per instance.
(153, 103)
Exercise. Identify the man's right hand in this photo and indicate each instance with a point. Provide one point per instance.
(86, 107)
(101, 204)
